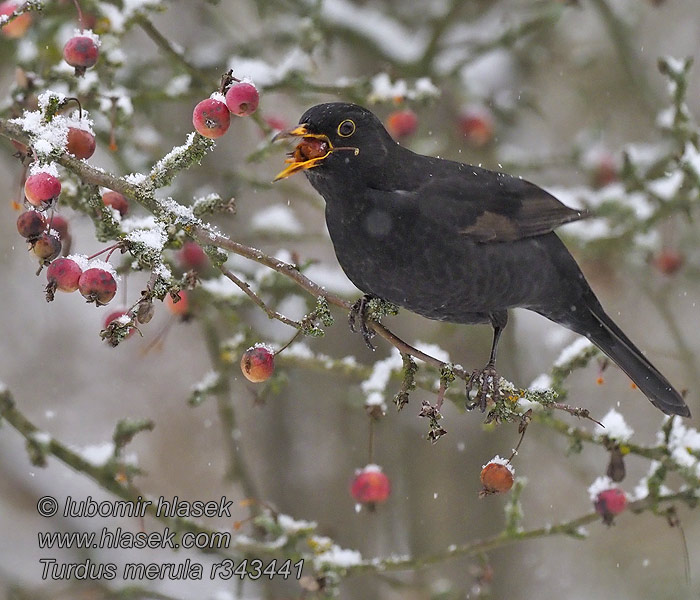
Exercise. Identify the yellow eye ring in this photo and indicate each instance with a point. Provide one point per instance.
(346, 128)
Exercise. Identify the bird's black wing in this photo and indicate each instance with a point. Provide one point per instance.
(485, 206)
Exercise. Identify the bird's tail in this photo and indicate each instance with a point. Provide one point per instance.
(604, 333)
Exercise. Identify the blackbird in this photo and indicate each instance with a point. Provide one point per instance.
(451, 241)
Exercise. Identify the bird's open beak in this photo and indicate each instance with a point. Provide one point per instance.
(309, 152)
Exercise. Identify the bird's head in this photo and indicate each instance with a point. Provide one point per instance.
(337, 138)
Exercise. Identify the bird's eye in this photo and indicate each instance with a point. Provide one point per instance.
(346, 128)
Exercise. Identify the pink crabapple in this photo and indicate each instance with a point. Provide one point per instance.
(402, 123)
(97, 285)
(192, 257)
(211, 118)
(81, 143)
(41, 189)
(31, 224)
(258, 363)
(476, 125)
(610, 503)
(81, 52)
(18, 27)
(370, 485)
(64, 274)
(117, 201)
(242, 99)
(46, 247)
(496, 478)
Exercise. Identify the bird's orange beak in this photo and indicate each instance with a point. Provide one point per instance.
(309, 152)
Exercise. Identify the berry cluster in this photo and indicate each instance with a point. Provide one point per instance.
(474, 123)
(212, 117)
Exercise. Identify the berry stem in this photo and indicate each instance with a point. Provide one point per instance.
(80, 106)
(109, 249)
(81, 20)
(370, 445)
(294, 337)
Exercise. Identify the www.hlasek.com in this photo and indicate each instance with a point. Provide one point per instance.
(119, 538)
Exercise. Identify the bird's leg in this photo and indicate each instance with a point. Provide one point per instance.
(358, 313)
(487, 378)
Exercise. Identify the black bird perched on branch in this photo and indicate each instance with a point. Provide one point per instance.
(451, 241)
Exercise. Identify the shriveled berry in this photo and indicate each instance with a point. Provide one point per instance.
(370, 485)
(117, 201)
(402, 123)
(97, 285)
(60, 225)
(496, 477)
(211, 118)
(46, 247)
(81, 143)
(18, 27)
(180, 308)
(476, 125)
(191, 256)
(242, 99)
(668, 261)
(31, 224)
(41, 189)
(609, 503)
(118, 314)
(258, 363)
(81, 52)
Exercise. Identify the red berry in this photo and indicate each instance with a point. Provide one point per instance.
(668, 261)
(276, 123)
(609, 503)
(258, 363)
(496, 477)
(18, 26)
(370, 485)
(81, 52)
(117, 201)
(81, 143)
(211, 118)
(60, 225)
(191, 256)
(97, 285)
(113, 316)
(181, 307)
(46, 247)
(402, 123)
(476, 124)
(63, 274)
(41, 189)
(31, 224)
(605, 171)
(242, 99)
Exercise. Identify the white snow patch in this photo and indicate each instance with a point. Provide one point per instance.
(600, 485)
(572, 351)
(293, 526)
(222, 287)
(614, 426)
(497, 460)
(278, 218)
(338, 557)
(393, 39)
(432, 350)
(331, 278)
(541, 383)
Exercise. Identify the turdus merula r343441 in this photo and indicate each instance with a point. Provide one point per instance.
(451, 241)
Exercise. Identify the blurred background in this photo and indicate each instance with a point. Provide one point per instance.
(557, 92)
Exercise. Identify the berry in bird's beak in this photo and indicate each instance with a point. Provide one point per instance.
(308, 153)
